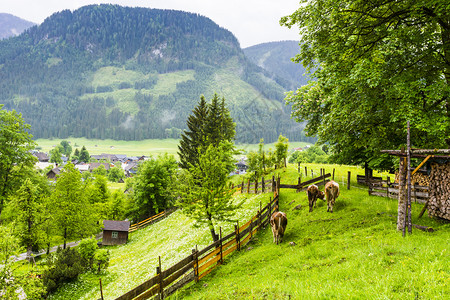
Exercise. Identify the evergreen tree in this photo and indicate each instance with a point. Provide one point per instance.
(209, 124)
(195, 136)
(84, 155)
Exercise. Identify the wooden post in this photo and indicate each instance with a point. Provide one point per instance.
(312, 173)
(299, 184)
(238, 242)
(306, 171)
(388, 183)
(256, 185)
(369, 183)
(415, 192)
(221, 246)
(242, 187)
(298, 168)
(333, 175)
(401, 215)
(348, 179)
(273, 184)
(248, 186)
(408, 145)
(101, 289)
(262, 185)
(159, 273)
(195, 257)
(259, 214)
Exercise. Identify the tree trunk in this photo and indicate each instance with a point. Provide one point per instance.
(65, 237)
(401, 195)
(214, 236)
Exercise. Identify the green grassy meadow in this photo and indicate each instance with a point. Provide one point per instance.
(354, 253)
(137, 148)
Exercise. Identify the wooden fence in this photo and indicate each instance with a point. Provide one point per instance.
(386, 188)
(320, 180)
(255, 187)
(151, 220)
(200, 263)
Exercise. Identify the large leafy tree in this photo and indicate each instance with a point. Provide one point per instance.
(72, 213)
(150, 186)
(15, 156)
(377, 64)
(205, 195)
(209, 124)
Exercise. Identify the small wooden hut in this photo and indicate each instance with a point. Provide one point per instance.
(115, 232)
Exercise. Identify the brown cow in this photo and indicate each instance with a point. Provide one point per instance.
(278, 221)
(332, 192)
(313, 193)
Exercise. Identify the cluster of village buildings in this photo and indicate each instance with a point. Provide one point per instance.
(127, 163)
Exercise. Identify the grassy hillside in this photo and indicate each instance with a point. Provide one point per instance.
(354, 253)
(172, 238)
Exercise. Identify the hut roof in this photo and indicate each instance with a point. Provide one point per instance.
(116, 225)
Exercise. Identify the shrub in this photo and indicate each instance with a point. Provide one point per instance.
(87, 248)
(63, 266)
(101, 259)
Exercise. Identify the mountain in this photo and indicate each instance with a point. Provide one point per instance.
(276, 57)
(107, 71)
(11, 25)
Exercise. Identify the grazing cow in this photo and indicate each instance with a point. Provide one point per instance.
(313, 193)
(278, 221)
(332, 192)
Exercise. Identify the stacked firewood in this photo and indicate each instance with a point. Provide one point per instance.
(417, 178)
(439, 201)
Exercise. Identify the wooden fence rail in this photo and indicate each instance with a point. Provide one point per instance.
(200, 263)
(386, 188)
(320, 180)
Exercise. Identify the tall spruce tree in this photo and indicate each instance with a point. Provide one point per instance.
(209, 124)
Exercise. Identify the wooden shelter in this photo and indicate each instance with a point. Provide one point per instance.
(437, 162)
(115, 232)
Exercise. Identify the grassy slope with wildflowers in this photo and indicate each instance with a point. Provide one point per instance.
(354, 253)
(172, 238)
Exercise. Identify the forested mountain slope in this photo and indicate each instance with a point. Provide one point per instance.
(106, 71)
(11, 25)
(275, 57)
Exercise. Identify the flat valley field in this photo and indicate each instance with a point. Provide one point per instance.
(137, 148)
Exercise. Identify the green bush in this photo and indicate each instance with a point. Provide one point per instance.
(86, 248)
(63, 266)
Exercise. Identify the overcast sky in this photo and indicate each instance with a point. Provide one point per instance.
(251, 21)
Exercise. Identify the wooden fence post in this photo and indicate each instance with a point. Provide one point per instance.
(273, 184)
(160, 279)
(242, 187)
(248, 186)
(333, 175)
(348, 180)
(306, 171)
(262, 185)
(238, 242)
(195, 254)
(312, 173)
(388, 183)
(221, 246)
(256, 185)
(299, 184)
(369, 183)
